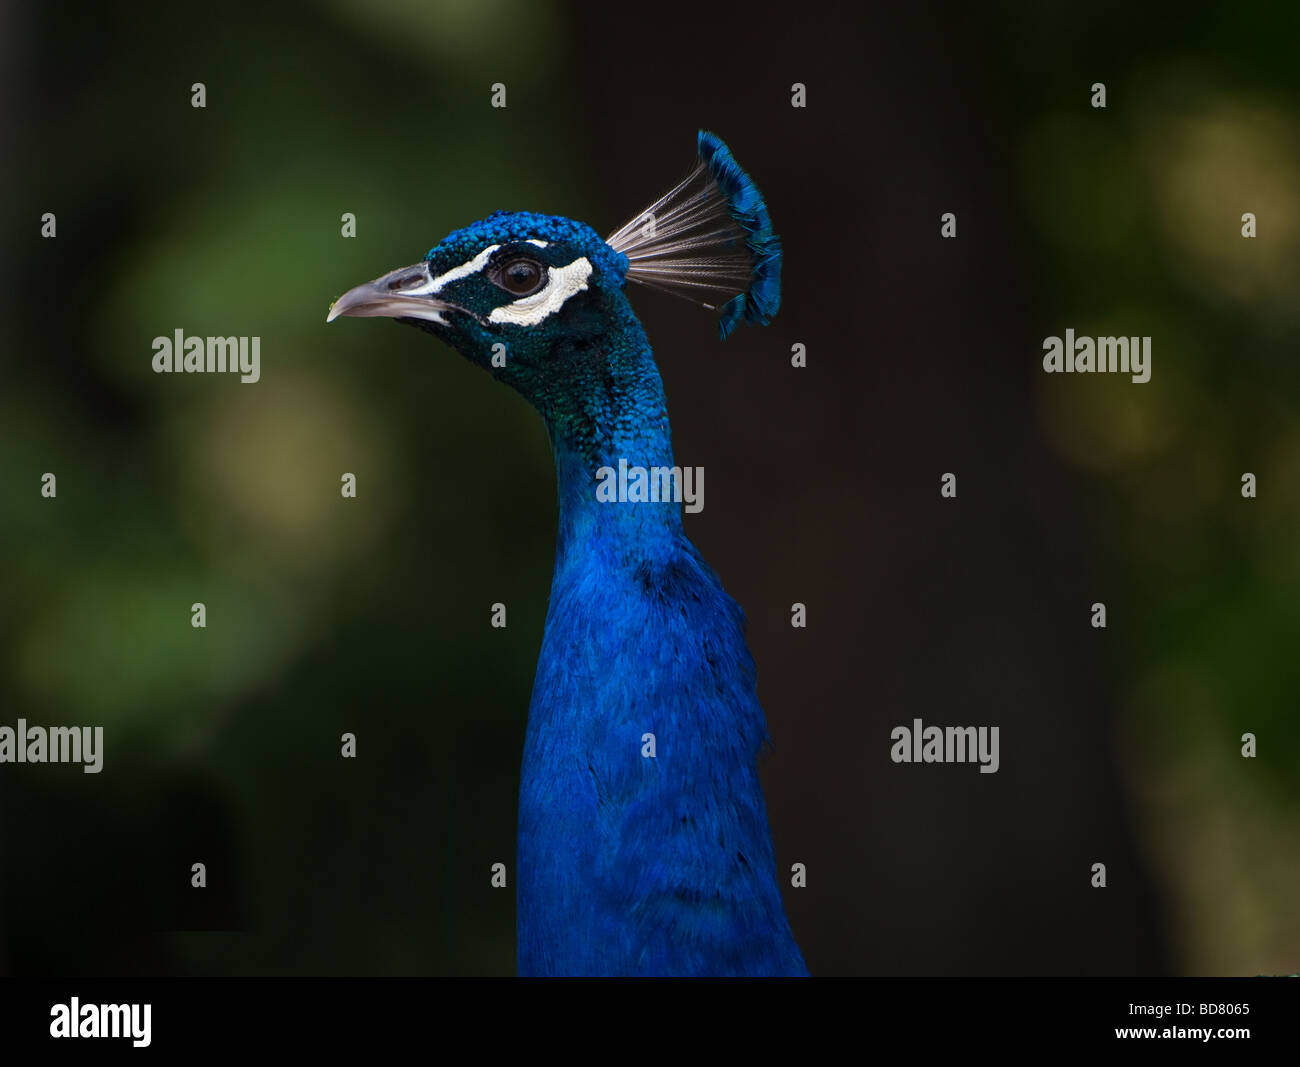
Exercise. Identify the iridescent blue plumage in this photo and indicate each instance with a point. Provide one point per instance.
(628, 863)
(763, 297)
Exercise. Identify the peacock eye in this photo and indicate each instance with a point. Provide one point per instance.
(520, 276)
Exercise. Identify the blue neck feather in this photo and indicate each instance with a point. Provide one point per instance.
(630, 864)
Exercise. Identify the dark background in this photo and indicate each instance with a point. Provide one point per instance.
(325, 615)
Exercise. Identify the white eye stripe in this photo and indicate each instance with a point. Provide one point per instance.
(473, 266)
(561, 283)
(539, 244)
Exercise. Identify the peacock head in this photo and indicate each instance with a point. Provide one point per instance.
(537, 300)
(520, 294)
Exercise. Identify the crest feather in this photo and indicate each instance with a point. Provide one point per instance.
(708, 239)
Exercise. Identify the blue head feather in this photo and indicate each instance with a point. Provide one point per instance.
(502, 227)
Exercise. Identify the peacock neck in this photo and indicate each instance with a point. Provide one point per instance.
(619, 427)
(640, 810)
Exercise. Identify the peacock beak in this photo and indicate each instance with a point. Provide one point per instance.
(400, 294)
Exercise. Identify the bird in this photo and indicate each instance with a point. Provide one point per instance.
(643, 846)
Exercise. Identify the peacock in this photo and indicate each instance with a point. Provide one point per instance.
(643, 844)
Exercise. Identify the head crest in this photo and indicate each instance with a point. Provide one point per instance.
(708, 239)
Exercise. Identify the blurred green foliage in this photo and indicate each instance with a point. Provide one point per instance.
(1138, 209)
